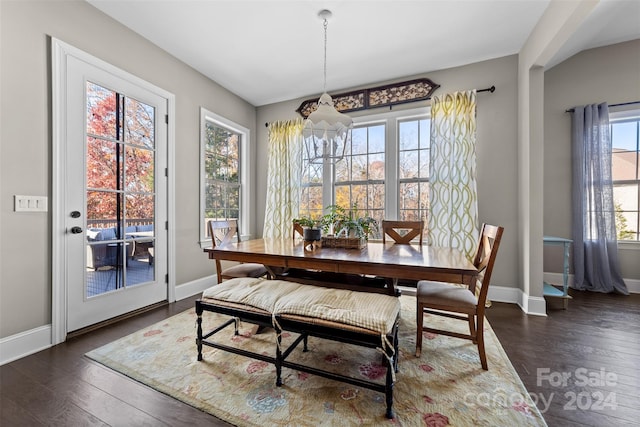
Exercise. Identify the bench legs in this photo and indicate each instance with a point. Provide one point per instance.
(389, 392)
(199, 332)
(280, 361)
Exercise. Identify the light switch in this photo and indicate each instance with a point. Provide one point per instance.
(30, 203)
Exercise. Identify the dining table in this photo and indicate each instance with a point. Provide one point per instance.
(391, 261)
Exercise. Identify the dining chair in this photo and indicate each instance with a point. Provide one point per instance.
(297, 230)
(460, 302)
(402, 232)
(223, 232)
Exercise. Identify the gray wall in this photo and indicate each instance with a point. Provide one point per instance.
(25, 132)
(496, 147)
(610, 74)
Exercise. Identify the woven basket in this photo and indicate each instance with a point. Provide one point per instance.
(344, 242)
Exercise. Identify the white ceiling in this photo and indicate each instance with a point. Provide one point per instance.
(267, 51)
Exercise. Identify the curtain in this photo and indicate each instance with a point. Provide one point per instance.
(453, 199)
(283, 177)
(595, 246)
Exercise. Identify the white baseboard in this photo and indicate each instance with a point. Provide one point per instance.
(194, 287)
(24, 343)
(536, 306)
(633, 285)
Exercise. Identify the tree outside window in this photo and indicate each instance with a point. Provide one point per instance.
(222, 167)
(385, 171)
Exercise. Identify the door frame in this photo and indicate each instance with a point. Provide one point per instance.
(59, 53)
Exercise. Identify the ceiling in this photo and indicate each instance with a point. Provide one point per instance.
(267, 51)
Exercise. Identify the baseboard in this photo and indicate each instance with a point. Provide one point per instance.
(536, 306)
(24, 343)
(194, 287)
(504, 294)
(633, 285)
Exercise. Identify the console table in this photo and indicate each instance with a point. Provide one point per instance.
(548, 289)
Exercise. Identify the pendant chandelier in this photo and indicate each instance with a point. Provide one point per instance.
(326, 131)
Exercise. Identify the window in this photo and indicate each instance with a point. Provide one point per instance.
(625, 136)
(359, 180)
(385, 172)
(311, 188)
(413, 169)
(223, 176)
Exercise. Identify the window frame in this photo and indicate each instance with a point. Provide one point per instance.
(391, 120)
(620, 116)
(244, 207)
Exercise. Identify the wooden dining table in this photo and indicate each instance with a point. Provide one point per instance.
(390, 260)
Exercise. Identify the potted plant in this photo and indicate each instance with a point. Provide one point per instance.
(311, 230)
(348, 223)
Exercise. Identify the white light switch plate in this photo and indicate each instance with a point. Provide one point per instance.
(30, 203)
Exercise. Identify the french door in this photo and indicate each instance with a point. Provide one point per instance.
(115, 194)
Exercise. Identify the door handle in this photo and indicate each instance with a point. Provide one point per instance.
(75, 214)
(76, 230)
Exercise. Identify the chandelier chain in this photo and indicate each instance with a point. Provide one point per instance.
(325, 25)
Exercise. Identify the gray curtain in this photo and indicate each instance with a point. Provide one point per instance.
(595, 245)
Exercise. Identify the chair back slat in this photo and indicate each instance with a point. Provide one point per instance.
(412, 229)
(297, 230)
(485, 258)
(223, 232)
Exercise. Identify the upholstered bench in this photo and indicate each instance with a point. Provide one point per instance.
(353, 317)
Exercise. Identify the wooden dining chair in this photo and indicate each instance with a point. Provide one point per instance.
(297, 230)
(460, 302)
(223, 232)
(402, 232)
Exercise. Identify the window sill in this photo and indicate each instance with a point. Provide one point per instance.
(628, 245)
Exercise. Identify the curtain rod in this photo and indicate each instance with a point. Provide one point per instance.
(489, 89)
(571, 110)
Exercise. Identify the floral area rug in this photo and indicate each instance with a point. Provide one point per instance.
(445, 386)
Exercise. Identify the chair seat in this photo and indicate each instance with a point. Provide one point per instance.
(245, 270)
(445, 294)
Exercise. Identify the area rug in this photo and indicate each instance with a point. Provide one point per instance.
(445, 386)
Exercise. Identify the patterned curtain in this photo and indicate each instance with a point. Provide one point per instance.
(283, 177)
(453, 199)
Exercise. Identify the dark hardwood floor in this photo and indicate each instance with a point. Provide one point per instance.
(594, 344)
(596, 339)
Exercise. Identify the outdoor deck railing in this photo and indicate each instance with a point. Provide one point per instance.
(108, 223)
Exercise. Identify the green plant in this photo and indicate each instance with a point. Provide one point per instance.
(349, 222)
(308, 222)
(621, 224)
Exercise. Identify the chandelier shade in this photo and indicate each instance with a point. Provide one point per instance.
(326, 131)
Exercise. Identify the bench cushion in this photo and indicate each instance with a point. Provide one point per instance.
(371, 311)
(258, 293)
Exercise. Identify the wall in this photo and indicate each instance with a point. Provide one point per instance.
(496, 147)
(25, 132)
(610, 74)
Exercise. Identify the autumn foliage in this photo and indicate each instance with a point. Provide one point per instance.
(120, 156)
